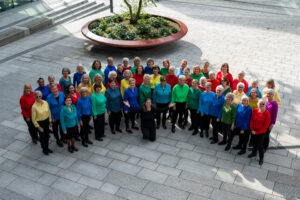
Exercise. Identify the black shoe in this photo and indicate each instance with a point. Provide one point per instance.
(211, 138)
(250, 148)
(157, 126)
(135, 127)
(265, 150)
(241, 152)
(90, 127)
(113, 132)
(34, 141)
(89, 142)
(59, 143)
(191, 128)
(49, 151)
(128, 130)
(104, 136)
(173, 128)
(251, 155)
(70, 149)
(119, 130)
(164, 126)
(261, 161)
(237, 147)
(50, 131)
(77, 139)
(84, 144)
(89, 131)
(195, 133)
(99, 139)
(227, 148)
(74, 148)
(201, 134)
(222, 143)
(206, 134)
(105, 123)
(214, 141)
(46, 152)
(64, 141)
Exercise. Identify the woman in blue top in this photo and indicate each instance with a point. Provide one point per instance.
(84, 112)
(131, 96)
(114, 106)
(56, 102)
(78, 75)
(45, 90)
(69, 123)
(161, 99)
(65, 80)
(242, 129)
(205, 105)
(217, 113)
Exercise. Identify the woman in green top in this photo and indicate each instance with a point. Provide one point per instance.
(165, 69)
(145, 90)
(136, 63)
(226, 85)
(205, 70)
(98, 111)
(228, 118)
(193, 103)
(197, 74)
(96, 69)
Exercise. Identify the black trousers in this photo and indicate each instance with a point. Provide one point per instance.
(267, 139)
(130, 116)
(186, 115)
(258, 141)
(161, 108)
(194, 119)
(226, 131)
(55, 126)
(99, 126)
(149, 133)
(204, 122)
(217, 127)
(114, 120)
(180, 109)
(44, 136)
(31, 129)
(84, 129)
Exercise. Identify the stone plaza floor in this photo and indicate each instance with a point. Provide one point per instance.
(259, 37)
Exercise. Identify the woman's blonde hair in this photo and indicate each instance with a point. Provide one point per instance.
(25, 86)
(89, 80)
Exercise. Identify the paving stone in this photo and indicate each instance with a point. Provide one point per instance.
(278, 160)
(167, 149)
(242, 191)
(225, 156)
(197, 168)
(189, 155)
(47, 179)
(126, 181)
(128, 194)
(68, 186)
(296, 164)
(286, 192)
(131, 139)
(17, 146)
(27, 172)
(117, 146)
(47, 168)
(168, 170)
(204, 150)
(94, 194)
(90, 182)
(219, 194)
(58, 194)
(185, 145)
(273, 197)
(11, 155)
(67, 162)
(88, 169)
(168, 160)
(109, 188)
(148, 164)
(200, 179)
(100, 160)
(164, 192)
(255, 184)
(284, 179)
(209, 160)
(6, 178)
(116, 155)
(196, 197)
(228, 164)
(255, 172)
(142, 153)
(189, 186)
(133, 160)
(286, 171)
(98, 150)
(64, 173)
(167, 141)
(8, 165)
(6, 194)
(152, 175)
(226, 175)
(124, 167)
(28, 188)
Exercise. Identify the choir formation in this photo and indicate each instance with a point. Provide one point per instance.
(151, 93)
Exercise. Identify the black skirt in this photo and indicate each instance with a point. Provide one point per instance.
(71, 133)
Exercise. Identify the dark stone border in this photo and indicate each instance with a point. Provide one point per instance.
(132, 43)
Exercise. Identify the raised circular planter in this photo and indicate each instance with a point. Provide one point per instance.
(136, 43)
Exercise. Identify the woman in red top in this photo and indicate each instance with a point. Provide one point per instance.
(215, 82)
(51, 80)
(73, 94)
(187, 74)
(241, 76)
(112, 75)
(171, 77)
(259, 123)
(225, 73)
(26, 102)
(126, 65)
(139, 75)
(202, 83)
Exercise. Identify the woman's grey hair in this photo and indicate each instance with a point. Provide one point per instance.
(146, 76)
(125, 59)
(128, 71)
(240, 84)
(136, 58)
(111, 73)
(220, 87)
(230, 95)
(203, 78)
(83, 89)
(36, 93)
(211, 72)
(172, 68)
(245, 97)
(261, 101)
(271, 91)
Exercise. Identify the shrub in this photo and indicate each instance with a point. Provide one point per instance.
(109, 20)
(174, 30)
(143, 28)
(145, 16)
(129, 35)
(164, 32)
(163, 21)
(113, 36)
(120, 30)
(153, 34)
(118, 18)
(94, 25)
(155, 22)
(103, 26)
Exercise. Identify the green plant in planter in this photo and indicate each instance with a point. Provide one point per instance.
(143, 28)
(164, 32)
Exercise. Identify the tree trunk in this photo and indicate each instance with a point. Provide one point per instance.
(130, 11)
(138, 12)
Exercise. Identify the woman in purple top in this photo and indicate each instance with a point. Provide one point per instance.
(272, 107)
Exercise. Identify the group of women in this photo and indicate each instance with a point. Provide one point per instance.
(230, 105)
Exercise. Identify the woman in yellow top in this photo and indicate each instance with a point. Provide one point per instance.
(98, 79)
(85, 82)
(41, 118)
(238, 93)
(270, 84)
(125, 82)
(155, 77)
(253, 99)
